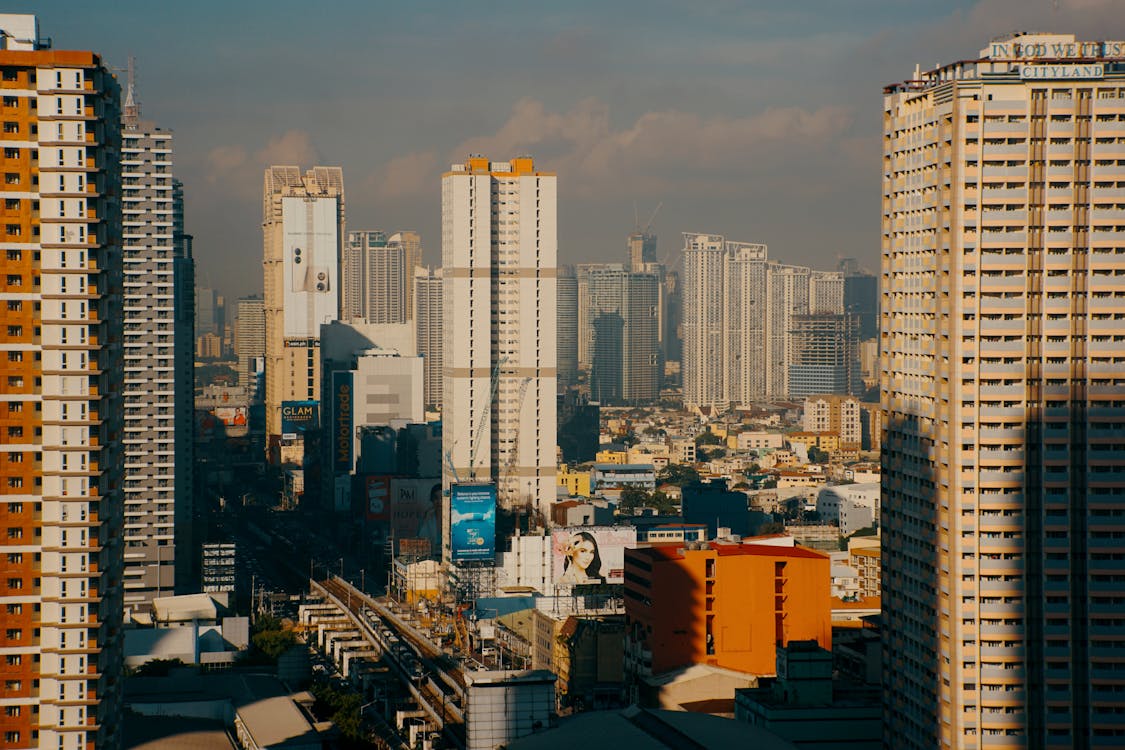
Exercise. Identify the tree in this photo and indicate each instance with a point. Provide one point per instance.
(273, 643)
(633, 497)
(677, 474)
(817, 456)
(708, 438)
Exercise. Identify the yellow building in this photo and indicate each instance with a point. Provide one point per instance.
(612, 457)
(577, 482)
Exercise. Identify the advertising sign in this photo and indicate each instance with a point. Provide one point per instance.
(299, 416)
(342, 429)
(377, 497)
(591, 554)
(231, 416)
(415, 508)
(472, 522)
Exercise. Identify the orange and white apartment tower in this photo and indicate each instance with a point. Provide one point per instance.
(60, 404)
(1003, 398)
(727, 604)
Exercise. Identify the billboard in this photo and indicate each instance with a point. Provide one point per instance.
(231, 416)
(310, 252)
(343, 432)
(472, 522)
(377, 498)
(299, 416)
(591, 554)
(415, 509)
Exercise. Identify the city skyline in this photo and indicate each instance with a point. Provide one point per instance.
(617, 125)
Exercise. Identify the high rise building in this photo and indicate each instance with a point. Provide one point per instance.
(303, 227)
(1003, 396)
(787, 296)
(205, 321)
(427, 322)
(567, 334)
(159, 368)
(499, 250)
(739, 309)
(641, 248)
(619, 320)
(61, 550)
(861, 299)
(250, 340)
(834, 413)
(826, 292)
(672, 321)
(824, 355)
(378, 276)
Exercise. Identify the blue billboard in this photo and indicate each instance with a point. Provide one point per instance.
(472, 522)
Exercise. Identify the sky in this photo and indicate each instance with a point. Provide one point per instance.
(756, 120)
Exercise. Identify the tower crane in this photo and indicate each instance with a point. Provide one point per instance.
(514, 453)
(484, 417)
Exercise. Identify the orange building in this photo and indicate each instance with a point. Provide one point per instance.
(60, 475)
(726, 604)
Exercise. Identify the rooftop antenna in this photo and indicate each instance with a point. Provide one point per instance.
(131, 110)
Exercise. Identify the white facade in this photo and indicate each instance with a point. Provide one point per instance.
(850, 506)
(500, 218)
(826, 293)
(158, 431)
(528, 563)
(303, 229)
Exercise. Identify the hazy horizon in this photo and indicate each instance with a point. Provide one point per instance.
(757, 122)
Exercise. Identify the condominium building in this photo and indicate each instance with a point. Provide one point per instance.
(835, 413)
(498, 259)
(641, 248)
(567, 335)
(61, 548)
(427, 323)
(378, 276)
(619, 317)
(1003, 395)
(826, 292)
(787, 297)
(250, 341)
(303, 228)
(824, 355)
(738, 312)
(159, 367)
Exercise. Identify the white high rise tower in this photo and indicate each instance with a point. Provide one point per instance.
(499, 264)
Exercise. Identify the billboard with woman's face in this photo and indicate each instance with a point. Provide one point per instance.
(591, 554)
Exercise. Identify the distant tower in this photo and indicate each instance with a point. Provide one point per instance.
(568, 326)
(499, 250)
(427, 324)
(159, 368)
(250, 342)
(303, 227)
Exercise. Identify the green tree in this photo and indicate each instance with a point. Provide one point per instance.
(677, 474)
(817, 456)
(633, 497)
(708, 438)
(273, 643)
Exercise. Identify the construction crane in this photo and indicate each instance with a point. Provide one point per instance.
(484, 417)
(514, 453)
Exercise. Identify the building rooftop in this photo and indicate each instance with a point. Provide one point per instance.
(726, 549)
(645, 729)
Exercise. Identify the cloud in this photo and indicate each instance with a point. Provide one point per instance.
(406, 176)
(241, 169)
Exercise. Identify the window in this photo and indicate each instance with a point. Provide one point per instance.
(15, 583)
(15, 532)
(11, 127)
(13, 634)
(11, 178)
(15, 432)
(14, 660)
(13, 229)
(14, 279)
(12, 204)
